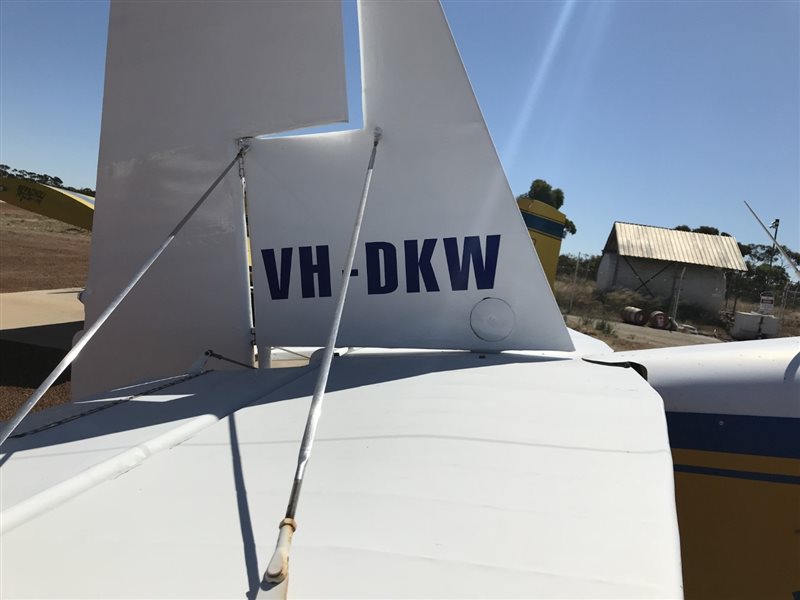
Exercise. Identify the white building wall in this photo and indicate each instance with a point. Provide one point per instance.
(606, 271)
(702, 286)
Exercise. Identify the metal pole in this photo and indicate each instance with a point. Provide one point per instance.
(775, 225)
(786, 257)
(784, 299)
(278, 567)
(89, 334)
(245, 144)
(678, 296)
(574, 283)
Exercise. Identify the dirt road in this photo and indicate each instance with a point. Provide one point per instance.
(632, 337)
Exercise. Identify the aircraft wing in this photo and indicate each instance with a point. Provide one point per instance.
(434, 474)
(63, 205)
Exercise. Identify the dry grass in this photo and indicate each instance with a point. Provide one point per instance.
(790, 325)
(790, 317)
(599, 312)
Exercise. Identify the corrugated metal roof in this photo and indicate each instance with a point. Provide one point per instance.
(660, 243)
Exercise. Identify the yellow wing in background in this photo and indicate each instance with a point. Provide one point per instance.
(68, 207)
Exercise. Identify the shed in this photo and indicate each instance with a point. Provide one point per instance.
(657, 262)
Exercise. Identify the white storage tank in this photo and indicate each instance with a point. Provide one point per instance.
(753, 325)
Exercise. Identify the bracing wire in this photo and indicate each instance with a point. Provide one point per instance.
(12, 424)
(278, 567)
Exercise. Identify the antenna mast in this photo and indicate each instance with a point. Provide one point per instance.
(774, 240)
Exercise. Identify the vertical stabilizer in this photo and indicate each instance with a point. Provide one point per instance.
(444, 258)
(182, 84)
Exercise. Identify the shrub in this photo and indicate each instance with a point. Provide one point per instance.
(604, 327)
(698, 315)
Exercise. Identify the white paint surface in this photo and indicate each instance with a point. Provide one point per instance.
(433, 475)
(436, 175)
(183, 81)
(758, 378)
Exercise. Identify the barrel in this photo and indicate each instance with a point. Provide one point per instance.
(658, 320)
(633, 315)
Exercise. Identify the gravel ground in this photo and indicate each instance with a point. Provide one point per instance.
(22, 368)
(36, 253)
(632, 337)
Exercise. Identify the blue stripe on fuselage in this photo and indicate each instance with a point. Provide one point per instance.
(739, 434)
(736, 474)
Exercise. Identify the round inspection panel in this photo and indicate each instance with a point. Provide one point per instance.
(492, 319)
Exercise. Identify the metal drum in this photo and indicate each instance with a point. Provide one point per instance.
(658, 320)
(633, 315)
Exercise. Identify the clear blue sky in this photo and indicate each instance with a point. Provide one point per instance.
(661, 113)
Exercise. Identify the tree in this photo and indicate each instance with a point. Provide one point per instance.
(795, 256)
(556, 198)
(544, 192)
(706, 229)
(702, 229)
(758, 253)
(6, 171)
(761, 275)
(587, 269)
